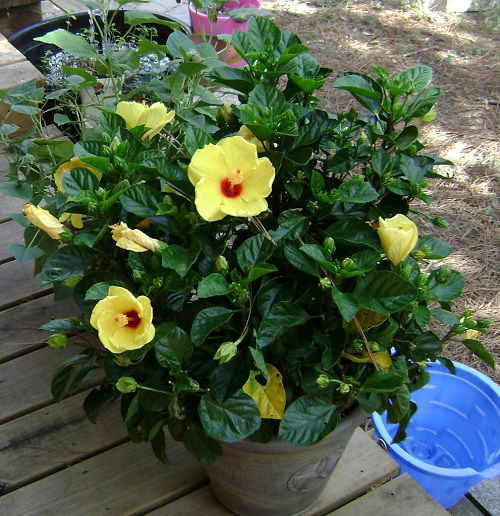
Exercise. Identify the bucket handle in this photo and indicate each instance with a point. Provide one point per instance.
(382, 444)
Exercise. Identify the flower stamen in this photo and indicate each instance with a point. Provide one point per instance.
(121, 320)
(231, 186)
(129, 319)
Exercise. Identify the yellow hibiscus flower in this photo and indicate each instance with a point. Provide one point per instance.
(44, 220)
(123, 321)
(230, 179)
(398, 236)
(154, 117)
(76, 218)
(133, 239)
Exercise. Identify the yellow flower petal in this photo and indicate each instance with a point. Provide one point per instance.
(260, 180)
(239, 153)
(208, 162)
(398, 236)
(208, 200)
(131, 112)
(76, 220)
(44, 220)
(70, 165)
(238, 207)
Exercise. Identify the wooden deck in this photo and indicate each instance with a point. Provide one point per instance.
(54, 461)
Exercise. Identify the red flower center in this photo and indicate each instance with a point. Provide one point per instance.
(230, 189)
(133, 319)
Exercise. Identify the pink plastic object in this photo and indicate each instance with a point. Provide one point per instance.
(224, 25)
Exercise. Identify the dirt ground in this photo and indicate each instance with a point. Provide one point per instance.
(462, 49)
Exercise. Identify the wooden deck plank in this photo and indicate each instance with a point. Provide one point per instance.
(19, 326)
(19, 284)
(26, 381)
(400, 496)
(127, 479)
(10, 233)
(362, 465)
(47, 440)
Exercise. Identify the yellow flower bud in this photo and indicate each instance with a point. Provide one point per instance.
(124, 321)
(133, 239)
(470, 334)
(398, 236)
(44, 220)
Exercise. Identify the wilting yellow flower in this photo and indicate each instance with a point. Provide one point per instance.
(154, 117)
(44, 220)
(245, 133)
(124, 321)
(398, 236)
(230, 179)
(76, 218)
(133, 239)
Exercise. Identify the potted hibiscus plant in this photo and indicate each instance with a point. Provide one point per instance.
(257, 280)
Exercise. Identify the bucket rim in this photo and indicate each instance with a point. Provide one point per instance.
(381, 431)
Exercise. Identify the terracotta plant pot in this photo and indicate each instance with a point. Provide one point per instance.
(277, 478)
(224, 25)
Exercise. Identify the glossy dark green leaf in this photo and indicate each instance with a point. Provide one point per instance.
(422, 315)
(97, 292)
(291, 225)
(406, 137)
(213, 285)
(141, 200)
(172, 345)
(447, 290)
(383, 381)
(384, 292)
(415, 78)
(263, 34)
(355, 191)
(196, 138)
(446, 317)
(434, 248)
(300, 260)
(98, 400)
(346, 303)
(24, 254)
(283, 315)
(422, 103)
(476, 348)
(317, 253)
(72, 43)
(230, 420)
(19, 190)
(207, 321)
(354, 231)
(65, 262)
(381, 162)
(254, 250)
(363, 88)
(71, 374)
(204, 448)
(225, 379)
(307, 420)
(179, 258)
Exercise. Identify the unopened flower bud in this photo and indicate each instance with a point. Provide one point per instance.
(374, 346)
(418, 254)
(357, 345)
(405, 271)
(440, 222)
(460, 329)
(137, 275)
(221, 265)
(398, 236)
(325, 283)
(344, 388)
(483, 323)
(323, 381)
(225, 114)
(347, 263)
(126, 384)
(114, 144)
(57, 341)
(443, 274)
(329, 244)
(226, 352)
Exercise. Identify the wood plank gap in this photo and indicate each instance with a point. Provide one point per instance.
(7, 260)
(8, 219)
(478, 505)
(161, 503)
(26, 299)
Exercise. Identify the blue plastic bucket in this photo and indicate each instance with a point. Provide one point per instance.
(453, 438)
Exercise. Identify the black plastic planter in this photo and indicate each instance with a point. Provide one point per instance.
(34, 51)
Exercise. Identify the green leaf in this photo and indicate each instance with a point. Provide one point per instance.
(263, 34)
(308, 420)
(267, 96)
(363, 88)
(427, 345)
(383, 381)
(411, 168)
(227, 378)
(422, 315)
(446, 317)
(65, 262)
(381, 162)
(415, 78)
(71, 374)
(260, 270)
(62, 325)
(196, 138)
(354, 231)
(399, 404)
(434, 248)
(422, 103)
(204, 448)
(20, 190)
(283, 315)
(213, 285)
(180, 259)
(341, 162)
(356, 191)
(79, 179)
(476, 348)
(25, 110)
(346, 303)
(158, 447)
(317, 183)
(69, 42)
(291, 225)
(134, 18)
(299, 260)
(384, 292)
(446, 291)
(254, 250)
(317, 253)
(24, 254)
(97, 292)
(98, 400)
(231, 420)
(141, 200)
(172, 345)
(208, 320)
(407, 136)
